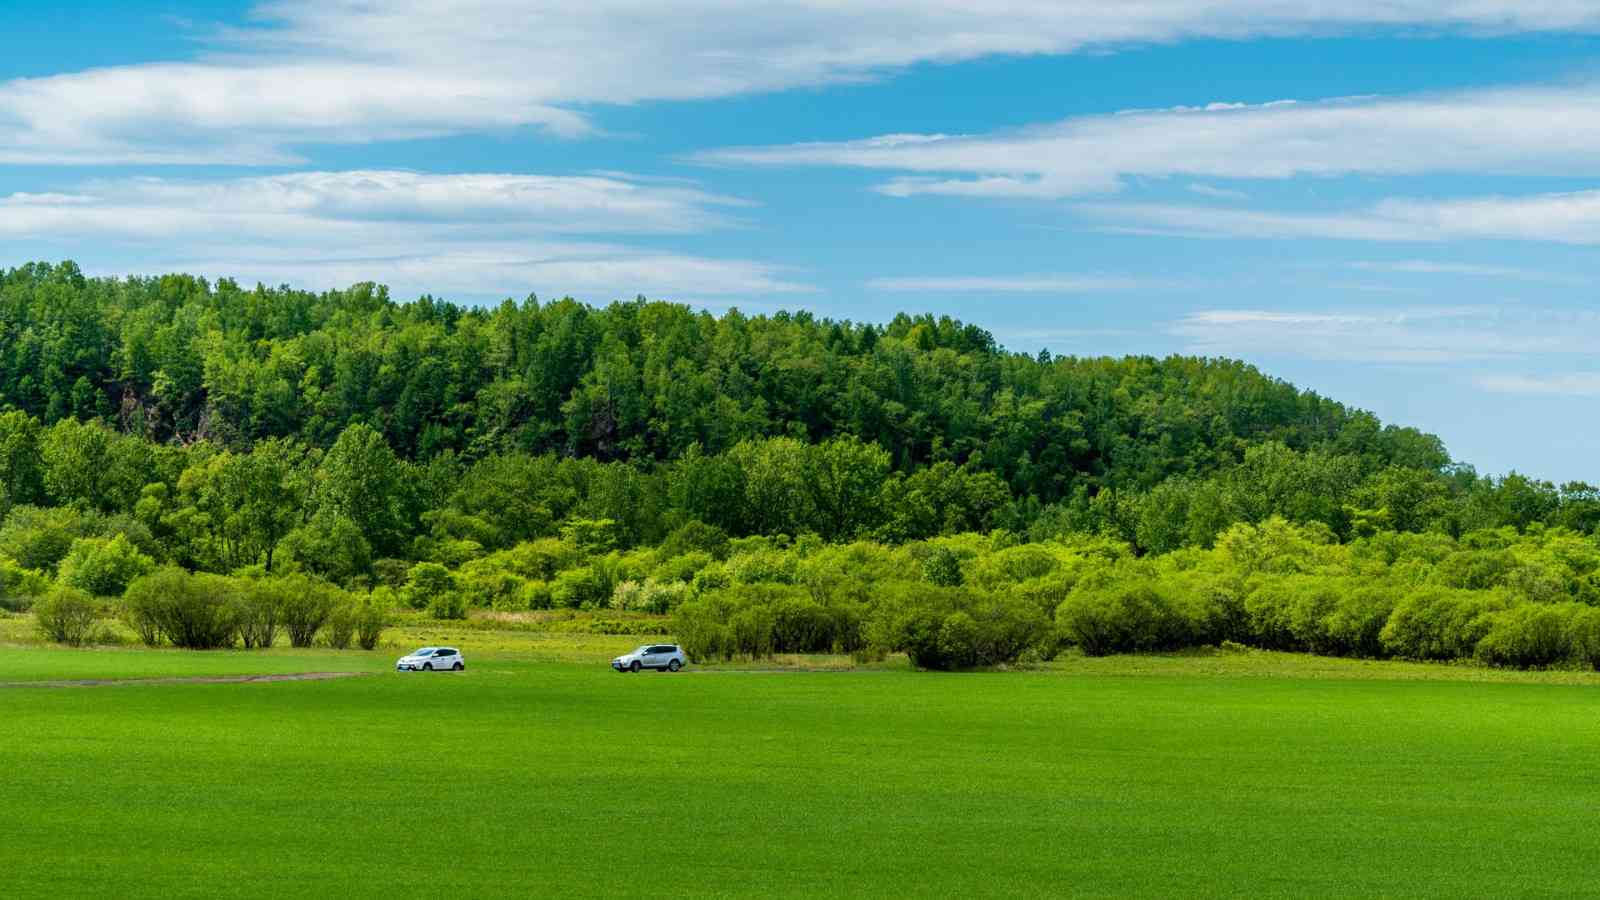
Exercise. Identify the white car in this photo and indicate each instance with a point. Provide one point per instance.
(662, 657)
(430, 659)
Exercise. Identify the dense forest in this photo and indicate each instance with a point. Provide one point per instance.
(641, 455)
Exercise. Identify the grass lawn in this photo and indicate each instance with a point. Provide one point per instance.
(535, 774)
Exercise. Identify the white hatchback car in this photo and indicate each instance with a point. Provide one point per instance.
(662, 657)
(430, 659)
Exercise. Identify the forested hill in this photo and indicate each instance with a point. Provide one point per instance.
(234, 420)
(174, 358)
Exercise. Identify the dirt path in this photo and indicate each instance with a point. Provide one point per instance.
(196, 679)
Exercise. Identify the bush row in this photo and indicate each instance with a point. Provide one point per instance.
(202, 612)
(1503, 597)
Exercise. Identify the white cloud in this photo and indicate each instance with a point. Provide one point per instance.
(1416, 335)
(1523, 131)
(1216, 193)
(1370, 288)
(1575, 384)
(477, 234)
(1024, 284)
(357, 202)
(591, 271)
(1466, 270)
(1568, 218)
(355, 70)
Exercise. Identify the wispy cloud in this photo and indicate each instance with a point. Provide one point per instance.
(1575, 384)
(1216, 193)
(1569, 218)
(479, 234)
(1534, 131)
(356, 71)
(1023, 284)
(1466, 270)
(334, 203)
(1440, 335)
(1371, 288)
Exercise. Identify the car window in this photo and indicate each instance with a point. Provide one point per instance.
(444, 653)
(670, 648)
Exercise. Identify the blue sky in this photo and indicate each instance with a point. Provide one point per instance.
(1413, 234)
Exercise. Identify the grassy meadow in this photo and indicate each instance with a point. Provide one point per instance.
(539, 772)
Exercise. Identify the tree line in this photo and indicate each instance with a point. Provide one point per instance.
(175, 359)
(537, 455)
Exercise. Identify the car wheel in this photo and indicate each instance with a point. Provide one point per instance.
(458, 667)
(427, 667)
(634, 666)
(674, 666)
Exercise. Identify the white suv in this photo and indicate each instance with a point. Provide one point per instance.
(429, 659)
(663, 657)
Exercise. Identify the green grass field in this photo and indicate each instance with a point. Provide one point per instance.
(539, 772)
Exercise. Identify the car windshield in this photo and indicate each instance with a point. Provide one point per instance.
(423, 652)
(644, 649)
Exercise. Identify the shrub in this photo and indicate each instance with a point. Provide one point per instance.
(1208, 609)
(580, 588)
(391, 572)
(1440, 623)
(1014, 564)
(942, 567)
(627, 595)
(1292, 613)
(957, 640)
(1583, 635)
(683, 567)
(484, 584)
(762, 567)
(427, 583)
(448, 606)
(340, 628)
(1476, 569)
(662, 598)
(592, 536)
(39, 538)
(950, 628)
(751, 630)
(104, 567)
(711, 578)
(538, 595)
(192, 611)
(649, 596)
(800, 625)
(538, 560)
(1002, 628)
(140, 612)
(1355, 624)
(700, 631)
(1120, 618)
(373, 616)
(19, 586)
(696, 537)
(259, 611)
(66, 615)
(306, 605)
(919, 633)
(1532, 635)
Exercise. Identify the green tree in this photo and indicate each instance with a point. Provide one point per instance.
(104, 567)
(362, 481)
